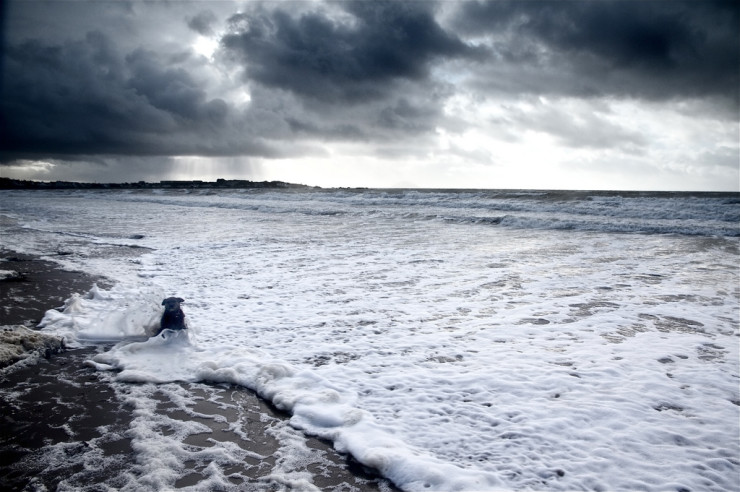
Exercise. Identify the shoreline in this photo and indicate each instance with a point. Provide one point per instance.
(19, 184)
(36, 286)
(29, 286)
(12, 184)
(60, 415)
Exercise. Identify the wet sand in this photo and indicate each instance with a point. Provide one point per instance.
(62, 424)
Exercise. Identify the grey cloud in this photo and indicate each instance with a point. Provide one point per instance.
(340, 131)
(397, 119)
(723, 156)
(650, 49)
(585, 129)
(83, 97)
(202, 23)
(319, 56)
(172, 90)
(408, 117)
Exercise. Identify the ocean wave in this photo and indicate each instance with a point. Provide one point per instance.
(660, 213)
(711, 214)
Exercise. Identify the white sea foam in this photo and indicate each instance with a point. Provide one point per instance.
(101, 315)
(447, 354)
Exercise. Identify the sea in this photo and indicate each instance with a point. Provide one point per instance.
(451, 340)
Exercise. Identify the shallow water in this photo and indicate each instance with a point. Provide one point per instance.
(452, 340)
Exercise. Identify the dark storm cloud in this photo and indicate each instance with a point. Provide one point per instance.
(79, 94)
(374, 72)
(85, 97)
(172, 91)
(202, 23)
(380, 122)
(408, 117)
(652, 49)
(328, 58)
(340, 131)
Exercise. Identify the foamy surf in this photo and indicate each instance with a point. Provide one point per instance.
(515, 354)
(106, 316)
(317, 406)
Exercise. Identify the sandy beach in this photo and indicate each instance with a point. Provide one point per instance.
(63, 427)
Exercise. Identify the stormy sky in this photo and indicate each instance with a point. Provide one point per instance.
(587, 94)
